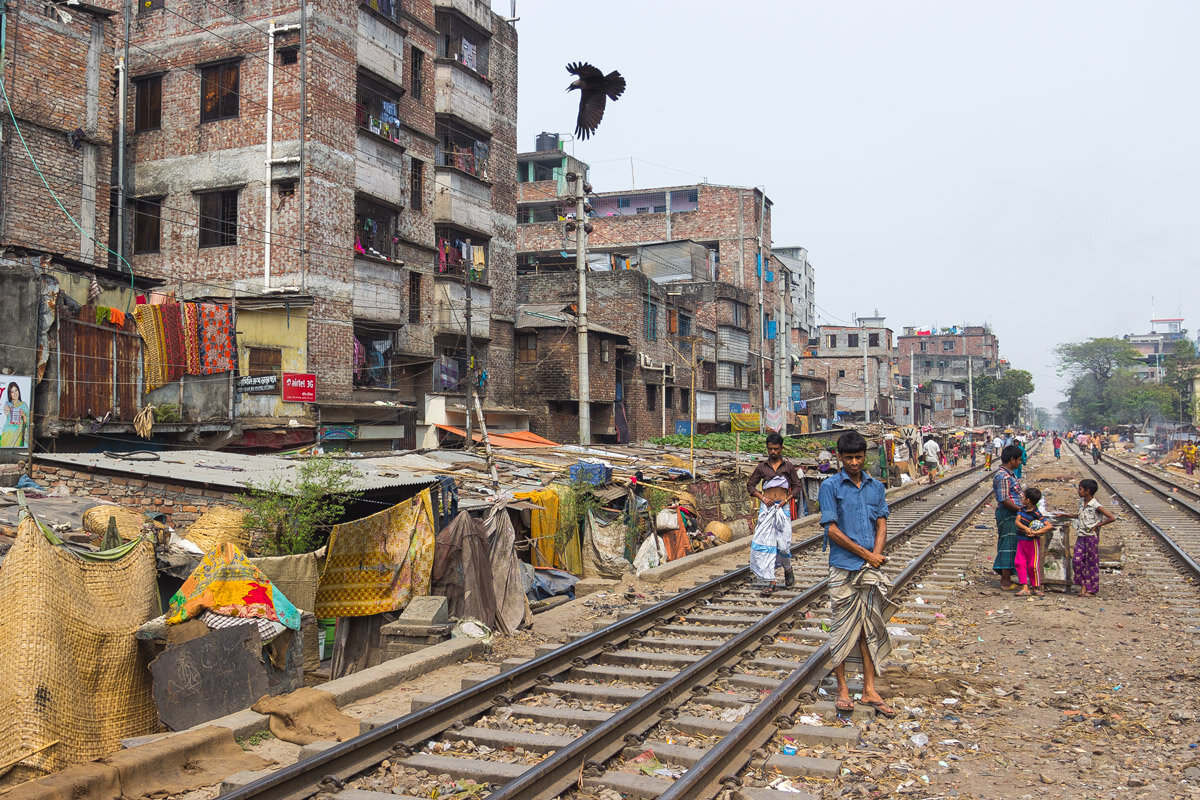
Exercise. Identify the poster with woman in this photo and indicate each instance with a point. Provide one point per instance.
(16, 392)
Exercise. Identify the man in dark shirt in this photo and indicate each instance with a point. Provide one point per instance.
(771, 547)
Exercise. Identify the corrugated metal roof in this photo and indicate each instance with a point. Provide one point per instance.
(232, 471)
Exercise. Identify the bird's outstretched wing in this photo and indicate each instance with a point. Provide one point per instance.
(585, 71)
(591, 111)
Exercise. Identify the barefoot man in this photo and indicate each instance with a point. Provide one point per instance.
(854, 513)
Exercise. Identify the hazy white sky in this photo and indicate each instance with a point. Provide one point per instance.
(1033, 165)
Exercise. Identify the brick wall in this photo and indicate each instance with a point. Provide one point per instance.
(181, 503)
(59, 80)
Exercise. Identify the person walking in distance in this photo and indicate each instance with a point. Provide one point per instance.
(771, 545)
(1010, 498)
(1057, 446)
(854, 513)
(931, 453)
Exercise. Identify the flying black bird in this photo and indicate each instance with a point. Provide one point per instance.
(593, 85)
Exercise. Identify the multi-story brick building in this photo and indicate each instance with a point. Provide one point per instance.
(708, 245)
(940, 359)
(354, 170)
(857, 365)
(802, 285)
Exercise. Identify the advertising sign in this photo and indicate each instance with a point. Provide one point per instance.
(16, 402)
(299, 387)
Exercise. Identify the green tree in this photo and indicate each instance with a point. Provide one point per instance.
(986, 398)
(1044, 417)
(1100, 358)
(294, 515)
(1182, 368)
(1012, 387)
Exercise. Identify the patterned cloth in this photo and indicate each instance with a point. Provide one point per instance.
(268, 629)
(1086, 563)
(1007, 538)
(378, 563)
(225, 582)
(857, 599)
(191, 338)
(149, 325)
(772, 537)
(1007, 486)
(216, 339)
(173, 352)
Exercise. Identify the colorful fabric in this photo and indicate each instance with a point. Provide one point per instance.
(857, 599)
(378, 563)
(149, 324)
(226, 583)
(117, 317)
(191, 339)
(1028, 562)
(772, 537)
(543, 526)
(216, 339)
(1006, 539)
(173, 352)
(102, 314)
(1007, 486)
(1085, 562)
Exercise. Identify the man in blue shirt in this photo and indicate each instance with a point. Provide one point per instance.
(854, 514)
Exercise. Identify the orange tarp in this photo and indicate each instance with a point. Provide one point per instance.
(513, 439)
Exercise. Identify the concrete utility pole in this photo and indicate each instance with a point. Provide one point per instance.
(912, 387)
(581, 325)
(866, 380)
(470, 371)
(970, 393)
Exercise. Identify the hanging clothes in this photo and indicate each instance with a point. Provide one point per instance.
(149, 324)
(543, 525)
(191, 338)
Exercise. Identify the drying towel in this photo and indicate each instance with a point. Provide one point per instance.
(173, 354)
(117, 317)
(216, 342)
(191, 338)
(225, 582)
(149, 325)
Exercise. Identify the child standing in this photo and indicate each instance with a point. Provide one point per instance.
(1086, 558)
(1030, 525)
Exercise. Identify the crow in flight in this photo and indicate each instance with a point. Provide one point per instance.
(593, 85)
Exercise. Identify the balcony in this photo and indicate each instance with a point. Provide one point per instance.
(451, 299)
(380, 44)
(479, 12)
(462, 201)
(460, 92)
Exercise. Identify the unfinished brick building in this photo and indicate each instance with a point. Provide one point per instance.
(357, 176)
(707, 248)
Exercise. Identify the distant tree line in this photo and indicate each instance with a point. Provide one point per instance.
(1105, 391)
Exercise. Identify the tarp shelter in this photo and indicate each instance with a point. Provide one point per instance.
(512, 604)
(71, 665)
(462, 570)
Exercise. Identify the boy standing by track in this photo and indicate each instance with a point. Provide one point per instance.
(854, 513)
(1086, 559)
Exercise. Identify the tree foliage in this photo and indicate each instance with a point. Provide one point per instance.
(296, 516)
(1104, 391)
(1003, 394)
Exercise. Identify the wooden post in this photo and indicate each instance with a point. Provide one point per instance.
(487, 443)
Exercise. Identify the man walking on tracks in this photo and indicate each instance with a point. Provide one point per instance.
(854, 514)
(771, 546)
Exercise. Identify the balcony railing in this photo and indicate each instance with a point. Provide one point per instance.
(472, 160)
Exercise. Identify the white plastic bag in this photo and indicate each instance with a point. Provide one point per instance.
(667, 520)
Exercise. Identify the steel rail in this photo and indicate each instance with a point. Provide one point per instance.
(718, 768)
(1176, 551)
(344, 759)
(562, 769)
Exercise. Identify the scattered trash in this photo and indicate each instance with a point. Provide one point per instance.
(784, 785)
(810, 719)
(1117, 688)
(735, 714)
(949, 701)
(920, 740)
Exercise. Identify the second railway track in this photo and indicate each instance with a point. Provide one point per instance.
(702, 678)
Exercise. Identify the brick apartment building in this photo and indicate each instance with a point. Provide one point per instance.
(346, 180)
(706, 246)
(940, 359)
(836, 354)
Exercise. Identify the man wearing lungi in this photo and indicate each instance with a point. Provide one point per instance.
(771, 546)
(854, 513)
(1010, 496)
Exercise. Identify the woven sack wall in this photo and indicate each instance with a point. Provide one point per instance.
(71, 667)
(217, 525)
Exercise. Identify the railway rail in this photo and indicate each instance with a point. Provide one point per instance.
(648, 680)
(1170, 511)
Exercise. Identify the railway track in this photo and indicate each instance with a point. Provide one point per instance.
(702, 679)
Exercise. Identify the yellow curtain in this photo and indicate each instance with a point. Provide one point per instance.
(544, 523)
